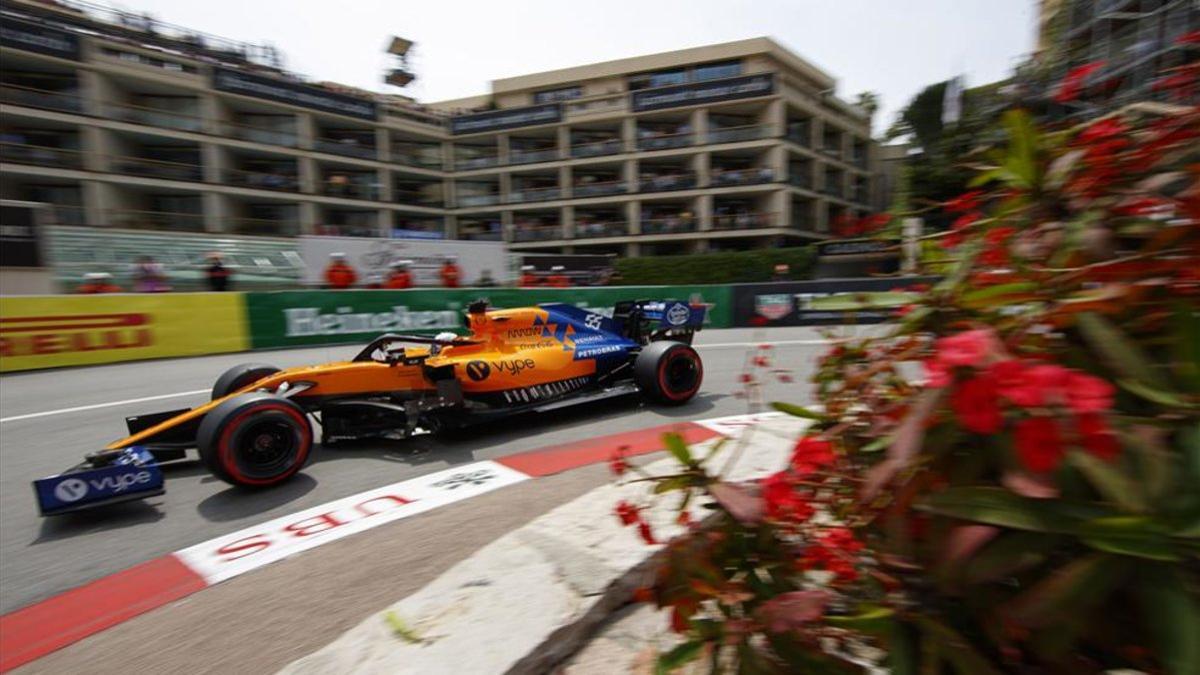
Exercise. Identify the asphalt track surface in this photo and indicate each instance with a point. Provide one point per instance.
(48, 420)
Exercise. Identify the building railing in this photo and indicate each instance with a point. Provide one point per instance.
(467, 201)
(264, 227)
(665, 141)
(832, 150)
(348, 229)
(416, 198)
(744, 221)
(41, 155)
(350, 190)
(246, 132)
(476, 162)
(669, 225)
(418, 155)
(262, 180)
(751, 132)
(800, 135)
(482, 236)
(832, 191)
(675, 181)
(753, 176)
(15, 94)
(538, 233)
(346, 147)
(595, 105)
(531, 156)
(612, 187)
(155, 220)
(611, 146)
(589, 230)
(534, 195)
(153, 117)
(156, 168)
(800, 180)
(61, 214)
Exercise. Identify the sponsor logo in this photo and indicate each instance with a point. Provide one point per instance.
(71, 490)
(478, 370)
(467, 478)
(310, 322)
(37, 335)
(592, 352)
(678, 315)
(512, 366)
(774, 306)
(74, 489)
(593, 321)
(535, 331)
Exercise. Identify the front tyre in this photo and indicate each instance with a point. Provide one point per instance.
(255, 440)
(240, 376)
(668, 372)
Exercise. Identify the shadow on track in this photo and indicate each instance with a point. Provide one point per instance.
(233, 503)
(113, 517)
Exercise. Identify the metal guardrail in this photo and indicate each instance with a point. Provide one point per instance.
(667, 182)
(738, 134)
(666, 141)
(41, 155)
(13, 94)
(613, 187)
(755, 176)
(612, 146)
(346, 147)
(744, 221)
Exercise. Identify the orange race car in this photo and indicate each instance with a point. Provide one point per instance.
(257, 431)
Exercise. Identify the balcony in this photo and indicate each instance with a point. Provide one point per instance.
(153, 117)
(262, 180)
(832, 191)
(656, 141)
(156, 220)
(477, 162)
(416, 198)
(543, 233)
(677, 181)
(468, 201)
(742, 177)
(482, 236)
(832, 151)
(287, 139)
(612, 146)
(799, 179)
(418, 155)
(350, 190)
(263, 227)
(612, 187)
(738, 134)
(534, 195)
(669, 225)
(61, 214)
(40, 155)
(585, 230)
(346, 147)
(531, 156)
(800, 134)
(29, 97)
(154, 168)
(747, 220)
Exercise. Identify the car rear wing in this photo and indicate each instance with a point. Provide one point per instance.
(642, 320)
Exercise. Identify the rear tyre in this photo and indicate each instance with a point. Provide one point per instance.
(668, 372)
(255, 440)
(239, 376)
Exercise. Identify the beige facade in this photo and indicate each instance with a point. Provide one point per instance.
(734, 145)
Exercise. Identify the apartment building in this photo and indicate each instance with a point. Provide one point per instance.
(122, 121)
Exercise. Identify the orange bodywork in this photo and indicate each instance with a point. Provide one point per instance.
(513, 353)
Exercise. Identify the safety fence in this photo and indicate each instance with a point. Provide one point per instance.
(54, 331)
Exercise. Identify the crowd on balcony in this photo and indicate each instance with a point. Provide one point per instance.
(669, 223)
(720, 176)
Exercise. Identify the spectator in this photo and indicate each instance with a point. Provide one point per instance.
(486, 280)
(97, 282)
(782, 272)
(450, 273)
(399, 278)
(217, 274)
(149, 276)
(529, 277)
(557, 278)
(339, 274)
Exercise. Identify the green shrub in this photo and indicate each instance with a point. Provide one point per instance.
(716, 268)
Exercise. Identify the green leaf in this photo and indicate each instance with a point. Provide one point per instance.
(1173, 616)
(678, 448)
(677, 657)
(956, 649)
(797, 411)
(1069, 591)
(1010, 553)
(674, 483)
(841, 302)
(1154, 394)
(1186, 343)
(902, 649)
(401, 629)
(1121, 353)
(1110, 482)
(1136, 536)
(873, 619)
(997, 295)
(997, 506)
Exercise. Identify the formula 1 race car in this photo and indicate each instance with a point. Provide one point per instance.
(257, 432)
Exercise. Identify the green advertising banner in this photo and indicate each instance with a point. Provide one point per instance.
(297, 318)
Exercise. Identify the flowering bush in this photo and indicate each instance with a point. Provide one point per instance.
(1009, 481)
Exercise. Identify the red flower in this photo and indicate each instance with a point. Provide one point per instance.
(811, 454)
(1190, 38)
(977, 405)
(761, 361)
(1088, 394)
(684, 518)
(646, 533)
(1097, 438)
(1102, 130)
(967, 201)
(628, 513)
(782, 500)
(841, 539)
(965, 220)
(937, 374)
(905, 310)
(1072, 84)
(1029, 386)
(965, 349)
(746, 378)
(765, 347)
(951, 240)
(617, 463)
(1039, 444)
(643, 594)
(786, 378)
(679, 619)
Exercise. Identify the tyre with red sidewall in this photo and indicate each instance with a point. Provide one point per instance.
(668, 372)
(255, 440)
(239, 376)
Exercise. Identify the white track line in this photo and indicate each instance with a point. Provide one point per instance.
(95, 406)
(111, 404)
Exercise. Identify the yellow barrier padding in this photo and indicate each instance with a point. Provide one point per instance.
(52, 331)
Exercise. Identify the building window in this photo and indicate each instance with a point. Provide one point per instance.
(554, 95)
(716, 71)
(668, 77)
